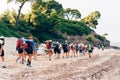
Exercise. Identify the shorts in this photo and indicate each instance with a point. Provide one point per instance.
(90, 51)
(29, 51)
(58, 51)
(65, 50)
(2, 54)
(20, 50)
(80, 51)
(55, 50)
(72, 48)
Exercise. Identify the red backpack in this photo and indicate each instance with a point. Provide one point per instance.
(19, 43)
(48, 45)
(83, 48)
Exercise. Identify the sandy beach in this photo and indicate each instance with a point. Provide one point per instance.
(104, 65)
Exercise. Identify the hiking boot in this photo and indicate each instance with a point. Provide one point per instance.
(4, 67)
(49, 59)
(29, 65)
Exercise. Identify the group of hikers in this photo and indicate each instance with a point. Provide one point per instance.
(28, 47)
(25, 47)
(68, 49)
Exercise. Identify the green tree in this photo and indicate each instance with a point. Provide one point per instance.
(92, 19)
(71, 14)
(90, 38)
(104, 35)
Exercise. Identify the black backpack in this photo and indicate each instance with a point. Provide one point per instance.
(64, 46)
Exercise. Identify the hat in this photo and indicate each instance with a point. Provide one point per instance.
(48, 41)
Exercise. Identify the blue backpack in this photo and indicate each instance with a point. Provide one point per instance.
(30, 44)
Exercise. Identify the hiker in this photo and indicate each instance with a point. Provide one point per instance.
(73, 49)
(68, 48)
(58, 50)
(83, 49)
(55, 47)
(80, 49)
(35, 49)
(29, 50)
(20, 49)
(76, 49)
(65, 49)
(98, 46)
(2, 52)
(90, 50)
(102, 47)
(49, 48)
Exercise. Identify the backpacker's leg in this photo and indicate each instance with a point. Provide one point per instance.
(2, 58)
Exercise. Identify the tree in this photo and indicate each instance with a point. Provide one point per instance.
(104, 35)
(71, 14)
(53, 5)
(21, 2)
(92, 19)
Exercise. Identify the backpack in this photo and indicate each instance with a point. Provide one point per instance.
(76, 47)
(83, 48)
(29, 44)
(48, 45)
(19, 43)
(64, 46)
(90, 47)
(55, 46)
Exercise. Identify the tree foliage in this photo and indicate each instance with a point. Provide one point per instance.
(72, 14)
(21, 4)
(47, 20)
(92, 19)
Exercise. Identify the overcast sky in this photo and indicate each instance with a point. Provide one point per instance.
(109, 9)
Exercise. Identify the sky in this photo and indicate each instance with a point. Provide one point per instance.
(109, 9)
(12, 6)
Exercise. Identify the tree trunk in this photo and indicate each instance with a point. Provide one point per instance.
(19, 12)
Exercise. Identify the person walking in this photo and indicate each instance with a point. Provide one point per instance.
(2, 53)
(29, 50)
(90, 50)
(65, 49)
(49, 48)
(20, 49)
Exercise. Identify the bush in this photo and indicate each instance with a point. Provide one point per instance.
(90, 38)
(101, 38)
